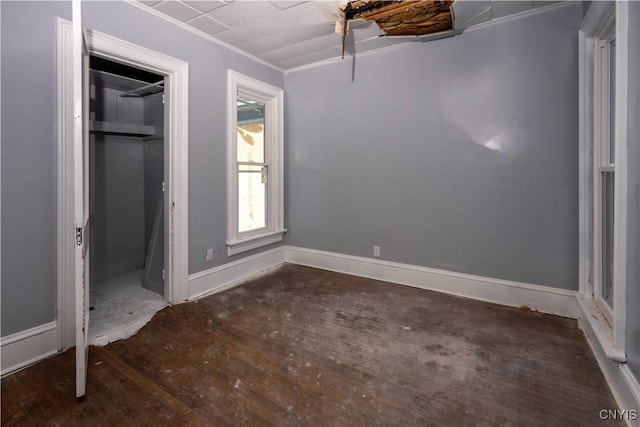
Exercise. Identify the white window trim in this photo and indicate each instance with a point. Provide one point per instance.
(594, 27)
(273, 98)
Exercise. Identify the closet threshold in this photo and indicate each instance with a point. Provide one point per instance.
(121, 128)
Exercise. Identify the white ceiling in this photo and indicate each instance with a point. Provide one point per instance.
(290, 34)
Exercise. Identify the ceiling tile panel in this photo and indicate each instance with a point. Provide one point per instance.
(294, 18)
(312, 45)
(283, 4)
(288, 38)
(363, 30)
(376, 43)
(177, 9)
(292, 33)
(243, 12)
(206, 24)
(205, 5)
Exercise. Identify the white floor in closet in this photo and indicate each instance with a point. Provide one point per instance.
(121, 308)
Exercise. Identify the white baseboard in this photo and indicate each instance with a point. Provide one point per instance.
(26, 347)
(541, 298)
(232, 274)
(621, 381)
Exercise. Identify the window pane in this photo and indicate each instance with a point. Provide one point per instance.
(607, 237)
(252, 198)
(612, 100)
(250, 141)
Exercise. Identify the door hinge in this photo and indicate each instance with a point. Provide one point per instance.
(79, 236)
(163, 274)
(163, 186)
(163, 98)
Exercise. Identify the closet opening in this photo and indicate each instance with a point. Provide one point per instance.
(126, 199)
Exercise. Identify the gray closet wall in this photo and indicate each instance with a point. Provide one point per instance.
(126, 183)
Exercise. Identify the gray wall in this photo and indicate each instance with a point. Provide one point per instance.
(117, 188)
(153, 161)
(459, 154)
(28, 109)
(117, 206)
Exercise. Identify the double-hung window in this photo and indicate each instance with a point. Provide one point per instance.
(604, 168)
(255, 215)
(604, 47)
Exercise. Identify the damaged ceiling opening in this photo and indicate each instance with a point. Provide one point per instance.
(399, 18)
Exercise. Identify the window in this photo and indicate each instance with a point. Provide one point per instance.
(255, 214)
(604, 169)
(604, 81)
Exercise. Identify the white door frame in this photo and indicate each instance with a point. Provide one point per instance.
(176, 74)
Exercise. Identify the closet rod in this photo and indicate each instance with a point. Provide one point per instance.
(141, 88)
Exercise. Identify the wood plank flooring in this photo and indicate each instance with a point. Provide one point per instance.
(306, 347)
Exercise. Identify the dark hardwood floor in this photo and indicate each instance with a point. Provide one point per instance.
(307, 347)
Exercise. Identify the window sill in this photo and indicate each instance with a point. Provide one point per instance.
(601, 328)
(238, 246)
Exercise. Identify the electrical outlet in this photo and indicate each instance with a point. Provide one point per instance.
(209, 254)
(376, 251)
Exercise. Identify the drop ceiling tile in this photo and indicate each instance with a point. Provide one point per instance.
(500, 9)
(242, 12)
(310, 58)
(206, 24)
(205, 5)
(330, 9)
(177, 9)
(283, 4)
(538, 4)
(468, 13)
(292, 19)
(308, 46)
(376, 43)
(363, 30)
(287, 38)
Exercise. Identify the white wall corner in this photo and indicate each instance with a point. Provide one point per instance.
(515, 294)
(234, 273)
(23, 348)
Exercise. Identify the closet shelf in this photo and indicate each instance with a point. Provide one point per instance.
(121, 128)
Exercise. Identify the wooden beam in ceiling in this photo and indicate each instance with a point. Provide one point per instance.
(404, 17)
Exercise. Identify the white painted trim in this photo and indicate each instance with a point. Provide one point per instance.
(176, 73)
(599, 324)
(620, 249)
(65, 221)
(202, 34)
(515, 294)
(599, 24)
(621, 381)
(633, 386)
(585, 165)
(26, 347)
(244, 245)
(234, 273)
(273, 99)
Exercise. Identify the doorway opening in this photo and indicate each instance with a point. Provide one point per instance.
(126, 198)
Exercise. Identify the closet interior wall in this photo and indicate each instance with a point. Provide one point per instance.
(127, 169)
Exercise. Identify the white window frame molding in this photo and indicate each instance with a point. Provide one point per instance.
(176, 74)
(273, 98)
(610, 327)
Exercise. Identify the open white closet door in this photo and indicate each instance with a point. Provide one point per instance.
(81, 194)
